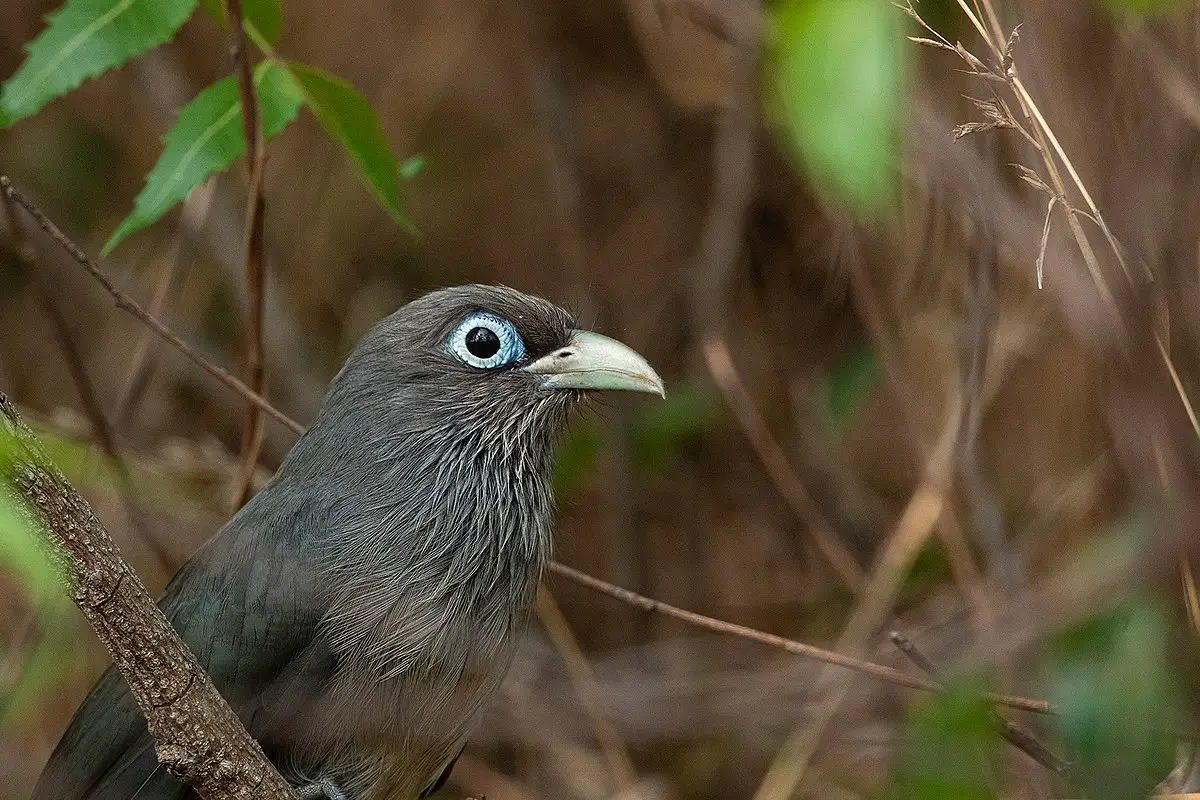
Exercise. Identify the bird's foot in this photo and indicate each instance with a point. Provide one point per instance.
(323, 789)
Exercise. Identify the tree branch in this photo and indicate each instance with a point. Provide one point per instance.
(197, 736)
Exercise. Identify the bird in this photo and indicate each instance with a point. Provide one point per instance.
(362, 608)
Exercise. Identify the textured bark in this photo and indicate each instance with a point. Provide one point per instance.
(197, 736)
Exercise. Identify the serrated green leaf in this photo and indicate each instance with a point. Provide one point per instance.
(837, 89)
(83, 39)
(348, 117)
(207, 138)
(265, 15)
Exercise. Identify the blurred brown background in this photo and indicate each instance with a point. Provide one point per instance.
(572, 148)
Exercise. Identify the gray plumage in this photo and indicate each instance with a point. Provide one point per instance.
(359, 611)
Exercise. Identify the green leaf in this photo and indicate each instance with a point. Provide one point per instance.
(22, 554)
(1118, 699)
(1143, 7)
(837, 90)
(574, 456)
(83, 39)
(851, 384)
(347, 116)
(666, 427)
(54, 654)
(950, 748)
(266, 16)
(412, 167)
(207, 138)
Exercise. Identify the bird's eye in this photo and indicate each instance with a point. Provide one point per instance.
(484, 340)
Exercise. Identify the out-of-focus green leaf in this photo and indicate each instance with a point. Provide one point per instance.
(412, 167)
(666, 426)
(43, 666)
(22, 554)
(574, 456)
(950, 747)
(83, 39)
(24, 557)
(1118, 700)
(931, 568)
(207, 138)
(837, 89)
(348, 117)
(851, 384)
(265, 15)
(1143, 7)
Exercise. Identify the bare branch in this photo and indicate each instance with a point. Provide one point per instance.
(1014, 734)
(775, 461)
(879, 671)
(197, 736)
(128, 304)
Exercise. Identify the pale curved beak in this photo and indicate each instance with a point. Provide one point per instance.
(592, 361)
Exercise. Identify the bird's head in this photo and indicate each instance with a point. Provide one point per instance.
(473, 355)
(428, 471)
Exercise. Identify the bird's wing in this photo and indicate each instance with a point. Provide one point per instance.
(247, 610)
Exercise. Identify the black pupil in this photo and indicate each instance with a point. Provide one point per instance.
(482, 342)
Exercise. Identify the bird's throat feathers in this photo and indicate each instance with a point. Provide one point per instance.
(439, 516)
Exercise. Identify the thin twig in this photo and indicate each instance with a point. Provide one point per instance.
(128, 304)
(770, 453)
(587, 689)
(882, 587)
(717, 253)
(145, 356)
(716, 257)
(906, 646)
(981, 308)
(1018, 737)
(252, 434)
(239, 52)
(879, 671)
(712, 272)
(869, 309)
(733, 163)
(102, 429)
